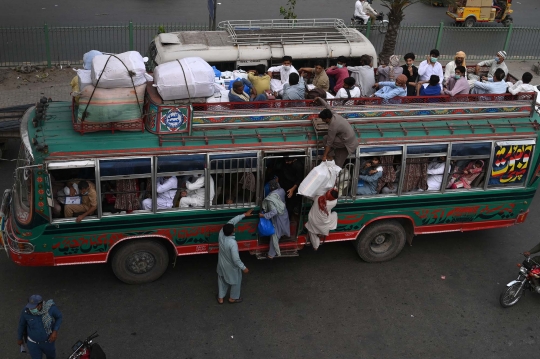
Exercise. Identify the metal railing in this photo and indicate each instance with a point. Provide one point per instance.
(55, 45)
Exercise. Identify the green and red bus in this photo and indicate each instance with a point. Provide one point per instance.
(236, 147)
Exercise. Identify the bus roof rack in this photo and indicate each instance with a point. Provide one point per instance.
(289, 31)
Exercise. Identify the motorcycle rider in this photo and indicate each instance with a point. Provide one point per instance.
(535, 249)
(359, 13)
(369, 10)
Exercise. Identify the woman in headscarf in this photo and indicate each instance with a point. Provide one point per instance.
(450, 68)
(274, 208)
(390, 72)
(321, 219)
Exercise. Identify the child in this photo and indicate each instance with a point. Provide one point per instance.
(464, 179)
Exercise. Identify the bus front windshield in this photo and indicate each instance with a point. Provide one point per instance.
(23, 187)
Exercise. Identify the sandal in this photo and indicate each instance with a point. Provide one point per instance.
(239, 300)
(268, 257)
(217, 298)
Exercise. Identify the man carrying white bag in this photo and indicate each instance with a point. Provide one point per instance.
(320, 179)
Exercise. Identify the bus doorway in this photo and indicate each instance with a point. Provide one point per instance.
(288, 168)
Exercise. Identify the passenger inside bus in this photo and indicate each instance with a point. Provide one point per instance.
(389, 181)
(65, 187)
(435, 172)
(370, 172)
(195, 193)
(464, 177)
(166, 190)
(88, 202)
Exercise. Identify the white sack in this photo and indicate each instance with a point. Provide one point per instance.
(320, 179)
(174, 79)
(85, 78)
(115, 74)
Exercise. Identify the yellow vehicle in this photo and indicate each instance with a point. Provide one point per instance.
(468, 12)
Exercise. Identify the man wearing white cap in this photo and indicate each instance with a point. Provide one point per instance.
(39, 323)
(494, 64)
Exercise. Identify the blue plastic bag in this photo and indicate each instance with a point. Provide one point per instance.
(217, 73)
(265, 227)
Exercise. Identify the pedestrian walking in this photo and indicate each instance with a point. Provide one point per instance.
(39, 324)
(230, 267)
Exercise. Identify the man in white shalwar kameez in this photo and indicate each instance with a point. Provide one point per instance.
(166, 190)
(230, 267)
(285, 69)
(321, 219)
(195, 194)
(435, 174)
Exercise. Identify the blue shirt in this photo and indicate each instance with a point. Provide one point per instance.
(34, 324)
(430, 90)
(389, 90)
(294, 92)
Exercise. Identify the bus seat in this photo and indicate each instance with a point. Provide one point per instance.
(176, 199)
(478, 181)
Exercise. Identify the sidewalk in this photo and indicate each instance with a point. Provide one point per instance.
(20, 89)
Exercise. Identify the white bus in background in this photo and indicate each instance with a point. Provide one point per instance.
(247, 43)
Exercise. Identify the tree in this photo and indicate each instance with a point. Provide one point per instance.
(288, 13)
(395, 17)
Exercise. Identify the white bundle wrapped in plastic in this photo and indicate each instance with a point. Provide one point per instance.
(187, 78)
(84, 78)
(114, 74)
(320, 179)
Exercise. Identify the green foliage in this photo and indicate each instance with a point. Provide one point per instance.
(161, 29)
(288, 13)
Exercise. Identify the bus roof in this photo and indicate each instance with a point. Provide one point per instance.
(280, 128)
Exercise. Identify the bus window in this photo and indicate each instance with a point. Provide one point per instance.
(125, 185)
(68, 199)
(235, 179)
(181, 182)
(344, 182)
(425, 167)
(379, 170)
(469, 163)
(511, 162)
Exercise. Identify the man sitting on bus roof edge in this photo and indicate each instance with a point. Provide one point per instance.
(432, 89)
(320, 78)
(341, 139)
(494, 65)
(458, 84)
(493, 85)
(295, 89)
(522, 85)
(88, 205)
(285, 69)
(259, 79)
(230, 267)
(237, 94)
(349, 90)
(390, 90)
(429, 67)
(364, 75)
(339, 72)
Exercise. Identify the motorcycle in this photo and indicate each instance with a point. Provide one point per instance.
(380, 22)
(87, 349)
(529, 273)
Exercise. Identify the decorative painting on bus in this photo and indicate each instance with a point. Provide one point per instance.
(174, 119)
(510, 164)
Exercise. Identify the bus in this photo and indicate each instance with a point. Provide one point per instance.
(237, 148)
(243, 44)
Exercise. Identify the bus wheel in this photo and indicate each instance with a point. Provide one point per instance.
(381, 241)
(140, 261)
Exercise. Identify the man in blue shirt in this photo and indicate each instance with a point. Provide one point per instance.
(390, 89)
(494, 85)
(295, 89)
(39, 322)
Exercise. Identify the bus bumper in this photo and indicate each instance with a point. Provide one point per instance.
(22, 252)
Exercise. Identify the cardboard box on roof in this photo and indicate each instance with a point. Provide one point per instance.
(485, 13)
(487, 3)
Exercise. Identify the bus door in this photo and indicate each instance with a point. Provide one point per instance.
(289, 167)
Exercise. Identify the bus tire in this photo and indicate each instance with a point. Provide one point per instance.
(381, 241)
(140, 261)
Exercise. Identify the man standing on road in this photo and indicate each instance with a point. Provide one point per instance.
(40, 323)
(230, 267)
(341, 140)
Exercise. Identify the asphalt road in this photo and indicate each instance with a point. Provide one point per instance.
(106, 12)
(328, 304)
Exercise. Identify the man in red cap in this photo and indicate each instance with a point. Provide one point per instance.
(39, 322)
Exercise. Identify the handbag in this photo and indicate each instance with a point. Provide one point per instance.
(265, 227)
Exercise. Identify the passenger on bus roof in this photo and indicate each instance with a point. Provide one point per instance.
(166, 190)
(285, 69)
(259, 79)
(364, 75)
(435, 172)
(494, 64)
(196, 194)
(391, 71)
(494, 85)
(88, 205)
(523, 85)
(367, 184)
(432, 89)
(295, 89)
(390, 90)
(320, 78)
(411, 72)
(339, 72)
(349, 90)
(430, 66)
(458, 84)
(341, 140)
(237, 94)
